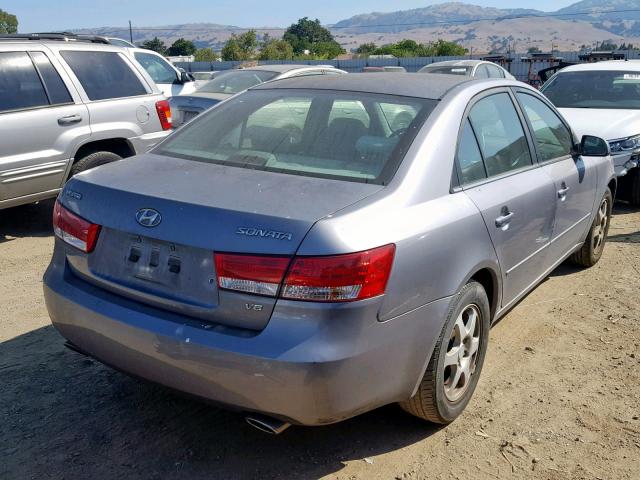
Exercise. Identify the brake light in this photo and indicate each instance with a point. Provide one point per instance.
(260, 275)
(340, 278)
(164, 114)
(74, 230)
(337, 278)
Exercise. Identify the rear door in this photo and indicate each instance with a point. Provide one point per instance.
(41, 121)
(574, 178)
(516, 198)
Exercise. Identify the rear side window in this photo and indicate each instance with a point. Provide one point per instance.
(104, 75)
(482, 72)
(500, 134)
(553, 138)
(20, 85)
(494, 72)
(56, 89)
(469, 157)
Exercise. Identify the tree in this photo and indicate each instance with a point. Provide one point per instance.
(533, 50)
(205, 55)
(181, 47)
(312, 36)
(8, 22)
(240, 47)
(156, 45)
(366, 49)
(442, 48)
(275, 50)
(411, 48)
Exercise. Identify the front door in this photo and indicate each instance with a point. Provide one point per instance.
(575, 180)
(515, 197)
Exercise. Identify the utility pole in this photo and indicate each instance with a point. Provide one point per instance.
(130, 32)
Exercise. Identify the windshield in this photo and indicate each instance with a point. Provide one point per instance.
(594, 89)
(352, 136)
(450, 70)
(158, 68)
(236, 81)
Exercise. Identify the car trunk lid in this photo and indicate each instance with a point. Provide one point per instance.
(202, 208)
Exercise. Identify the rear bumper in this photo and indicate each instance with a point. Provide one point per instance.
(144, 143)
(311, 365)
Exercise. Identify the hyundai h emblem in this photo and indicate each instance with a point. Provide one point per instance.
(148, 217)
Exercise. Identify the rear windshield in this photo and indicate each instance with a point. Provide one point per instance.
(236, 81)
(450, 70)
(345, 135)
(594, 89)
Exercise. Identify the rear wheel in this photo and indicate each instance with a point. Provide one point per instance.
(456, 362)
(592, 248)
(93, 160)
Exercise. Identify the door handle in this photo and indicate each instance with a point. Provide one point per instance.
(69, 120)
(505, 218)
(562, 193)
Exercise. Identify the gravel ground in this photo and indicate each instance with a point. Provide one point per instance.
(559, 396)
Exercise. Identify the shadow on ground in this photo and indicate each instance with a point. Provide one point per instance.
(65, 416)
(33, 220)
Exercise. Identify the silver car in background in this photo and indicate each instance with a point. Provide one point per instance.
(226, 84)
(309, 278)
(67, 106)
(468, 68)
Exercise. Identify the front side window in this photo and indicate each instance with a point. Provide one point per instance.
(500, 134)
(341, 135)
(103, 75)
(553, 138)
(158, 68)
(594, 89)
(20, 85)
(236, 81)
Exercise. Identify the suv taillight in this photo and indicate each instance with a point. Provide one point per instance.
(336, 278)
(164, 114)
(74, 230)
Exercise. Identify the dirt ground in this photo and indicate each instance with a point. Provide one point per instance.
(559, 396)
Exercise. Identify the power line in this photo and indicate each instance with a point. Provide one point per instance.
(185, 28)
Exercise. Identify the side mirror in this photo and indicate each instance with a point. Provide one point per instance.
(591, 146)
(185, 76)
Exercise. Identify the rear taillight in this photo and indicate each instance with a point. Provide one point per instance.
(338, 278)
(251, 274)
(164, 114)
(74, 230)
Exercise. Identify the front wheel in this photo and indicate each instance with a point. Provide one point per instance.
(592, 248)
(457, 359)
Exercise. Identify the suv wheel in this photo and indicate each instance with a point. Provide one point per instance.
(591, 251)
(93, 160)
(457, 359)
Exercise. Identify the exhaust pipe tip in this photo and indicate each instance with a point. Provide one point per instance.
(265, 424)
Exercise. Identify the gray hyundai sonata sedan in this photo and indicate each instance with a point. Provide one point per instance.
(317, 247)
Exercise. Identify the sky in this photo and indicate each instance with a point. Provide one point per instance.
(48, 15)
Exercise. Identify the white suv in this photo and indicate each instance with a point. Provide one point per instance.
(67, 106)
(603, 99)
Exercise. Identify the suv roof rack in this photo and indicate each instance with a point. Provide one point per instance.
(59, 36)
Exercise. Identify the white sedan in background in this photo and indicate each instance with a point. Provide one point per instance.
(603, 99)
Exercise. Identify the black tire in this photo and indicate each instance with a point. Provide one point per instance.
(592, 248)
(634, 186)
(432, 401)
(93, 160)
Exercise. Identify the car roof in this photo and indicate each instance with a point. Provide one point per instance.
(458, 63)
(432, 86)
(617, 65)
(283, 68)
